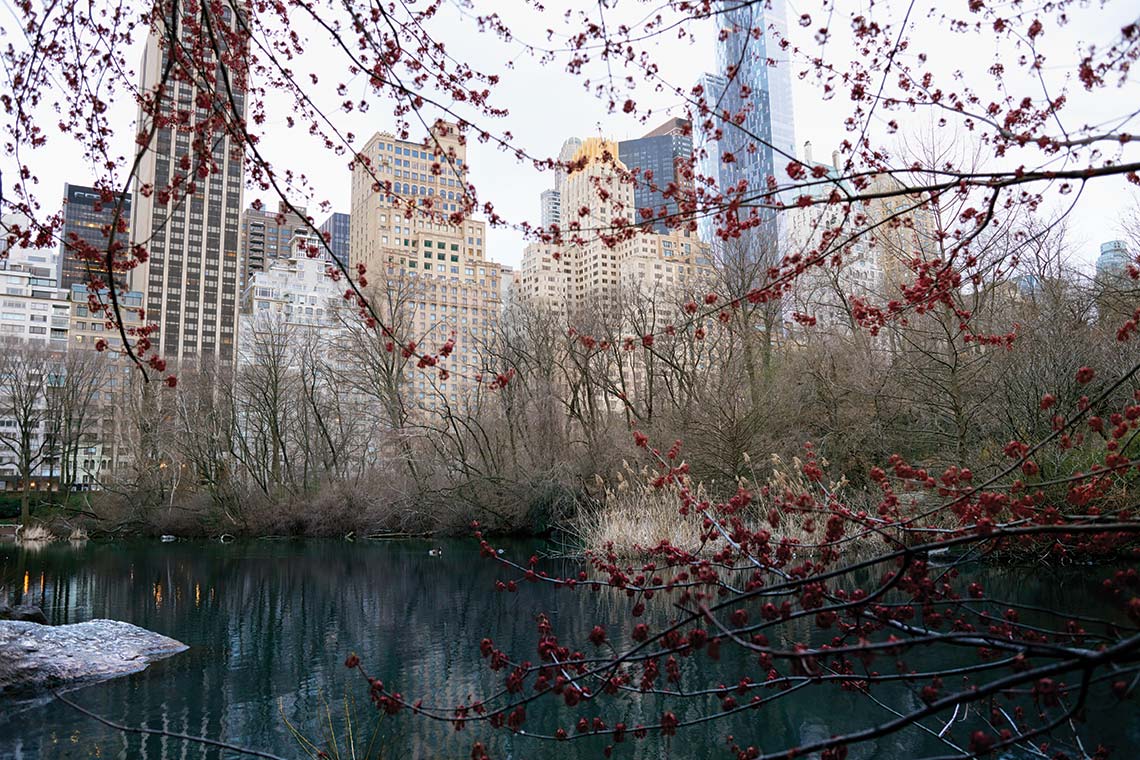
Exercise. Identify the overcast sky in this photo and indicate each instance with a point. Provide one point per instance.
(547, 105)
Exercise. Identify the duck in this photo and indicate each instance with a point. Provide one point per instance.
(436, 552)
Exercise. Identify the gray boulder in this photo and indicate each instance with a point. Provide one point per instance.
(29, 613)
(36, 657)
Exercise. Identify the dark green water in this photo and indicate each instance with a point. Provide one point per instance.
(269, 624)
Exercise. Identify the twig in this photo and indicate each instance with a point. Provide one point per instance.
(160, 732)
(950, 722)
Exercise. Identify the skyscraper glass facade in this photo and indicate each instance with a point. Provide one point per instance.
(86, 220)
(336, 227)
(746, 84)
(656, 158)
(1113, 259)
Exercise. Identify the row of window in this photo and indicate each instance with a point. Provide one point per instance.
(407, 173)
(413, 189)
(400, 150)
(56, 334)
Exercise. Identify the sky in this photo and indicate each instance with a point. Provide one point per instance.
(547, 104)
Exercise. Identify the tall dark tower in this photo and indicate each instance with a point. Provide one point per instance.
(188, 193)
(87, 219)
(658, 156)
(337, 229)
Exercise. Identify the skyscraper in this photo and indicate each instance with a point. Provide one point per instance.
(594, 268)
(425, 260)
(746, 84)
(853, 267)
(188, 197)
(1114, 287)
(267, 236)
(658, 159)
(87, 220)
(1113, 260)
(552, 199)
(336, 227)
(551, 207)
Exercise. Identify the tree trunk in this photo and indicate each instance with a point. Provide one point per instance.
(25, 507)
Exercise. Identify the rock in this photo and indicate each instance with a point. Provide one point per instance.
(28, 613)
(36, 657)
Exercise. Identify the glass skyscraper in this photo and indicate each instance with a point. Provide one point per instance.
(658, 156)
(1113, 259)
(746, 84)
(86, 219)
(336, 226)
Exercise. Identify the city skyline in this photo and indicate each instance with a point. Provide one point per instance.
(575, 111)
(589, 276)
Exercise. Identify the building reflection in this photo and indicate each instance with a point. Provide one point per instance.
(269, 624)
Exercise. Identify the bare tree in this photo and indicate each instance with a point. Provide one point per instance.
(24, 370)
(264, 398)
(76, 414)
(380, 368)
(204, 419)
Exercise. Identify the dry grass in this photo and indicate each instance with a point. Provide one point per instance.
(36, 534)
(340, 730)
(785, 483)
(634, 516)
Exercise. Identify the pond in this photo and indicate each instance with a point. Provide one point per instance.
(269, 624)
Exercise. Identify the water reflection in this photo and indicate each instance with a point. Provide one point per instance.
(269, 624)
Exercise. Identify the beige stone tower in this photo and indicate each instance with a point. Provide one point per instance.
(425, 259)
